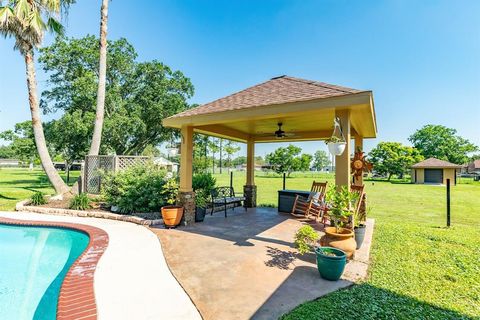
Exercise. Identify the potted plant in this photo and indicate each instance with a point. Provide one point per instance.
(330, 261)
(336, 145)
(359, 229)
(171, 213)
(340, 209)
(201, 197)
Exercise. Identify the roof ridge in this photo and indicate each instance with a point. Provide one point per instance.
(321, 84)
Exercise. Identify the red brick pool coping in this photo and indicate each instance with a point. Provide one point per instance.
(77, 297)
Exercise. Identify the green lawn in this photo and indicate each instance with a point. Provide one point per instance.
(420, 269)
(19, 184)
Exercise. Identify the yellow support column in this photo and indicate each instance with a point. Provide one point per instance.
(250, 189)
(358, 146)
(186, 196)
(342, 162)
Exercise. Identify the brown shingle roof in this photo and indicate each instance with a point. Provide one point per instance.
(474, 165)
(278, 90)
(435, 163)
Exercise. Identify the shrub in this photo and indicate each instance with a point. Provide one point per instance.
(305, 239)
(203, 181)
(38, 199)
(80, 202)
(202, 184)
(137, 189)
(170, 191)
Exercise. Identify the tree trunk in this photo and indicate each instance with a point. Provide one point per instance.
(102, 75)
(220, 163)
(55, 179)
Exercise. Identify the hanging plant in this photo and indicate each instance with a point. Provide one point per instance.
(336, 144)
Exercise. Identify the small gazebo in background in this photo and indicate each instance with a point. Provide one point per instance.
(281, 109)
(435, 171)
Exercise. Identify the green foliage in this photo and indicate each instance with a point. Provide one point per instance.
(321, 160)
(38, 198)
(204, 181)
(289, 159)
(231, 148)
(170, 191)
(139, 95)
(6, 152)
(391, 158)
(71, 134)
(341, 202)
(334, 139)
(136, 189)
(442, 143)
(22, 141)
(202, 184)
(305, 239)
(80, 202)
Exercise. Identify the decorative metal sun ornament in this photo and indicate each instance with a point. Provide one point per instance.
(360, 164)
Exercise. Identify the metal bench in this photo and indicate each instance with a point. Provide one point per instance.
(224, 196)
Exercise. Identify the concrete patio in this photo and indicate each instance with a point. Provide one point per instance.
(245, 266)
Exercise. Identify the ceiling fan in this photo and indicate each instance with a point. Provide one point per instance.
(280, 134)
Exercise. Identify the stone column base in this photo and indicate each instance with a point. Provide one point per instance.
(187, 200)
(250, 193)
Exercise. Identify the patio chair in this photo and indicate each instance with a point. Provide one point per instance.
(313, 205)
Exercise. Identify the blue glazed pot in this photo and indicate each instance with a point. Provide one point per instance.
(330, 267)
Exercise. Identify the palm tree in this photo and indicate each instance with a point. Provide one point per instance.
(102, 75)
(26, 21)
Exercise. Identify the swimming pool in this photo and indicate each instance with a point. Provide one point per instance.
(33, 263)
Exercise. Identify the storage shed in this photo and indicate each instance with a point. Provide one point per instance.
(435, 171)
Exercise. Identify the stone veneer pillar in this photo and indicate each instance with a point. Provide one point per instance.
(187, 200)
(250, 193)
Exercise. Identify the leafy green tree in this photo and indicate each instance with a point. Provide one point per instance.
(321, 160)
(231, 148)
(138, 95)
(436, 141)
(389, 158)
(27, 21)
(70, 136)
(6, 152)
(288, 159)
(22, 141)
(238, 161)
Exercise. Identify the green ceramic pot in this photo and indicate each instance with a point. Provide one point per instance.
(330, 262)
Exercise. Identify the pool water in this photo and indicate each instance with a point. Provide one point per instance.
(33, 264)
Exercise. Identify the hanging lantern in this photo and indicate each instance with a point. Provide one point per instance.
(336, 144)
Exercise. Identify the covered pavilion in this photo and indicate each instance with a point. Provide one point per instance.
(306, 109)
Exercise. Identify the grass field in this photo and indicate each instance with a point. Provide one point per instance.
(419, 270)
(19, 184)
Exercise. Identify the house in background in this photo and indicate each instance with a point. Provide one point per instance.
(435, 171)
(474, 167)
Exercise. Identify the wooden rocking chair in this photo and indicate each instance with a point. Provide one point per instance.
(313, 205)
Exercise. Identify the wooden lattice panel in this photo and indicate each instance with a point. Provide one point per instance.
(94, 166)
(125, 162)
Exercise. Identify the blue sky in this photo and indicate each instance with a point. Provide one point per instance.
(420, 58)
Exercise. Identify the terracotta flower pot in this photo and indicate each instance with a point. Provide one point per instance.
(343, 240)
(172, 215)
